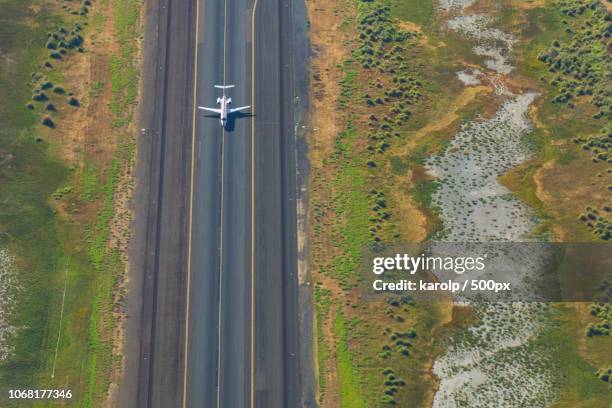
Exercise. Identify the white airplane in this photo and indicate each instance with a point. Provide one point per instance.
(224, 101)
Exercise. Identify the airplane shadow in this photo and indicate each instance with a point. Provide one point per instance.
(230, 125)
(231, 120)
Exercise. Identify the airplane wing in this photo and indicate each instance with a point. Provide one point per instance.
(210, 109)
(239, 109)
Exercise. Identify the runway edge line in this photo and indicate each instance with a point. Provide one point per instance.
(253, 204)
(193, 131)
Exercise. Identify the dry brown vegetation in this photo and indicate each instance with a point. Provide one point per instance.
(326, 40)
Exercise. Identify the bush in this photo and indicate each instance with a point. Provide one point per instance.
(51, 43)
(40, 97)
(387, 399)
(47, 121)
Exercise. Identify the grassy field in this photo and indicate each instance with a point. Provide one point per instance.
(27, 221)
(559, 124)
(59, 201)
(565, 170)
(368, 353)
(369, 185)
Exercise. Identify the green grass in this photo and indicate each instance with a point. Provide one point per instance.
(543, 26)
(359, 342)
(423, 192)
(98, 21)
(124, 71)
(27, 222)
(417, 11)
(348, 378)
(358, 190)
(563, 123)
(347, 83)
(96, 88)
(577, 381)
(48, 246)
(352, 204)
(322, 306)
(90, 187)
(398, 165)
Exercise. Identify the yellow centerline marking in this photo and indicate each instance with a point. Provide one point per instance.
(253, 205)
(220, 277)
(193, 145)
(191, 194)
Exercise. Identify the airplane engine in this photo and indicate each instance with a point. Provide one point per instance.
(229, 100)
(218, 101)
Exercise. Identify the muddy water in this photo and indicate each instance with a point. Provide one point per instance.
(8, 289)
(492, 363)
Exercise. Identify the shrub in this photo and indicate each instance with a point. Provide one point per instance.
(51, 43)
(47, 121)
(40, 96)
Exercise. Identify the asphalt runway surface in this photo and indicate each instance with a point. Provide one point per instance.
(219, 318)
(220, 296)
(156, 307)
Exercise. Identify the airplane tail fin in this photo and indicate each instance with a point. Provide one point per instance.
(224, 86)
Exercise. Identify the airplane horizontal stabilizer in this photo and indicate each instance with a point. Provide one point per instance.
(224, 86)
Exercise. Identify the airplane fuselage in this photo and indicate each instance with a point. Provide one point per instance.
(224, 101)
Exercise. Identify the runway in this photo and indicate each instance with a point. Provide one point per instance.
(219, 318)
(218, 335)
(246, 168)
